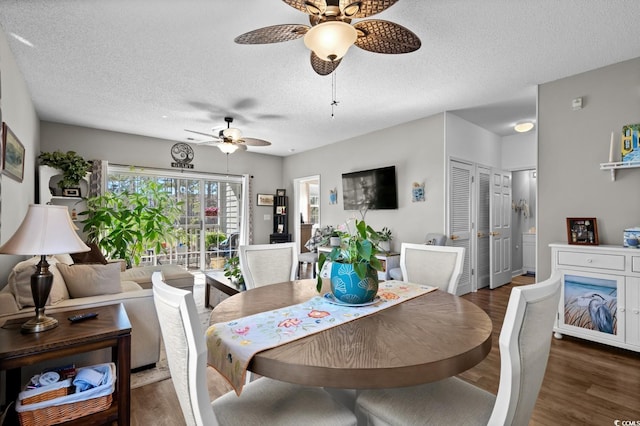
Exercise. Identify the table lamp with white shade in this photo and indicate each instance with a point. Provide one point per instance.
(45, 230)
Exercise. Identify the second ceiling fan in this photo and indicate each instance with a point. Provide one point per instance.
(230, 139)
(331, 33)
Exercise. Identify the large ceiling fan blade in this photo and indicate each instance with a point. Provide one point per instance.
(201, 133)
(366, 7)
(312, 7)
(273, 34)
(386, 37)
(323, 67)
(253, 142)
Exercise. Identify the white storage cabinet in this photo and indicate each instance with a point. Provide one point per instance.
(600, 294)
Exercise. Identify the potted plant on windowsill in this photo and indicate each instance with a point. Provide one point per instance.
(354, 265)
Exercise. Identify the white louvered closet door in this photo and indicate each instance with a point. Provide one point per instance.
(460, 217)
(483, 268)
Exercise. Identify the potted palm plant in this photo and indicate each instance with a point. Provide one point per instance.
(354, 265)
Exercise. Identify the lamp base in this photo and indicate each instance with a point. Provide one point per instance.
(39, 323)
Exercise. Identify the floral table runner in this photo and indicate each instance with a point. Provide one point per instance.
(232, 344)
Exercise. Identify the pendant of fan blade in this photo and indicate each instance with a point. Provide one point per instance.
(253, 142)
(385, 37)
(323, 67)
(273, 34)
(201, 133)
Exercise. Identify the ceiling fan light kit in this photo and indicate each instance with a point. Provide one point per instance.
(227, 147)
(331, 33)
(330, 40)
(230, 140)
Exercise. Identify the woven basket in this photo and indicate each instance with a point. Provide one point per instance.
(62, 413)
(45, 396)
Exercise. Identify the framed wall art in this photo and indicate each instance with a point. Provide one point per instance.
(582, 230)
(281, 192)
(265, 199)
(12, 154)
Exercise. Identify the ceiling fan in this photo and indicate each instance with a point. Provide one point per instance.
(331, 33)
(230, 139)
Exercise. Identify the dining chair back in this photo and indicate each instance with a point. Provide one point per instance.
(264, 264)
(262, 402)
(438, 266)
(524, 342)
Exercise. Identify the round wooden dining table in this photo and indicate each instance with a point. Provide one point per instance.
(421, 340)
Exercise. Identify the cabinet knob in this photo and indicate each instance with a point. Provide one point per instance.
(635, 311)
(589, 260)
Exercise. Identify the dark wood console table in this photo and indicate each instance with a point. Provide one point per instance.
(111, 329)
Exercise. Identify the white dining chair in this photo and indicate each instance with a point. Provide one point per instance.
(524, 343)
(264, 264)
(438, 266)
(262, 402)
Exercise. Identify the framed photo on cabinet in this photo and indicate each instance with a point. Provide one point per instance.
(582, 230)
(281, 192)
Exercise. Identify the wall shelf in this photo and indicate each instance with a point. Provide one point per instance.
(613, 166)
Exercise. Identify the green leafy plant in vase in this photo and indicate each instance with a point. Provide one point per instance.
(233, 272)
(72, 166)
(354, 265)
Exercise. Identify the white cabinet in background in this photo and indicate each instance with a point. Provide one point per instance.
(528, 253)
(600, 294)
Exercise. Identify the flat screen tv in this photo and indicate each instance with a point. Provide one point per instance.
(373, 189)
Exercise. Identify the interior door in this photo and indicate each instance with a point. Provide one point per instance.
(461, 177)
(500, 228)
(483, 220)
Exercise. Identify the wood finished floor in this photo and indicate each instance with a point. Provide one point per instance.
(585, 384)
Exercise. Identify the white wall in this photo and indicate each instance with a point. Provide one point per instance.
(470, 142)
(416, 149)
(520, 151)
(141, 151)
(19, 114)
(571, 146)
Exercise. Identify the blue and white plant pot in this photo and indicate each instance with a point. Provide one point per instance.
(347, 287)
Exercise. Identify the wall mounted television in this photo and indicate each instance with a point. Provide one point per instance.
(373, 189)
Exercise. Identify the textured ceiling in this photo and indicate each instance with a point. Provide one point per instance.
(157, 67)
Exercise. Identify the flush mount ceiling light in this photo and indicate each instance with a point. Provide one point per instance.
(331, 33)
(523, 126)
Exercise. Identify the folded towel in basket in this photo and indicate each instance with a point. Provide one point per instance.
(88, 378)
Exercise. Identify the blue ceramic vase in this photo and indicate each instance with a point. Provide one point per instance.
(347, 287)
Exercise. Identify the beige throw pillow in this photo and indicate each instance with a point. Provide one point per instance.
(20, 282)
(91, 280)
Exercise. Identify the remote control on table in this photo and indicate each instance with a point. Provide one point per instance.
(82, 317)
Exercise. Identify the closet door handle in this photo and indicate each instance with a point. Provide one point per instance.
(494, 234)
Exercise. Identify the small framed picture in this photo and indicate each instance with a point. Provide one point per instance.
(12, 154)
(281, 192)
(280, 228)
(265, 199)
(281, 210)
(71, 192)
(582, 230)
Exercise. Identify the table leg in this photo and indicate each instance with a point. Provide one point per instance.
(123, 383)
(207, 291)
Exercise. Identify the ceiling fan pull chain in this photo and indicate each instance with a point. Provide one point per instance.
(334, 102)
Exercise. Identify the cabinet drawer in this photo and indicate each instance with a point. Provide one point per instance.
(592, 260)
(635, 264)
